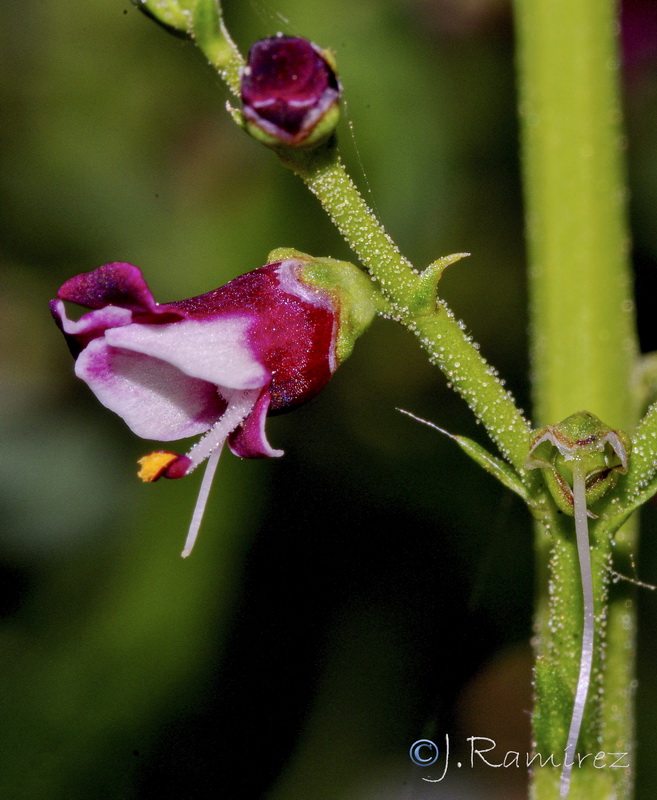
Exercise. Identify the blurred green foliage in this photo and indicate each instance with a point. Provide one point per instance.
(351, 597)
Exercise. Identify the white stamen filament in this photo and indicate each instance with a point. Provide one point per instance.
(586, 658)
(201, 501)
(240, 405)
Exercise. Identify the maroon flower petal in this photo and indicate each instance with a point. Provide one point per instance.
(249, 439)
(292, 336)
(116, 284)
(118, 295)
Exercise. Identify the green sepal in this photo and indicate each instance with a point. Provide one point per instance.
(331, 59)
(499, 469)
(353, 293)
(236, 115)
(322, 130)
(426, 292)
(283, 253)
(584, 439)
(643, 469)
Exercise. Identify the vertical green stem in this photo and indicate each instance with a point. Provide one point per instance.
(583, 349)
(582, 312)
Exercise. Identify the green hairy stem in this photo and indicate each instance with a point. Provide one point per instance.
(583, 352)
(414, 300)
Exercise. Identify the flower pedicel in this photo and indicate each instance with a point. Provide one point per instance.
(216, 364)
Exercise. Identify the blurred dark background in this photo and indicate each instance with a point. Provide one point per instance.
(370, 588)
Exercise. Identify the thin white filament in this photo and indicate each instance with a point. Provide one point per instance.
(240, 405)
(586, 658)
(201, 502)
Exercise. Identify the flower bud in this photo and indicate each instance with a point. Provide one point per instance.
(175, 15)
(290, 92)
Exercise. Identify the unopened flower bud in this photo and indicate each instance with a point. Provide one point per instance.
(290, 92)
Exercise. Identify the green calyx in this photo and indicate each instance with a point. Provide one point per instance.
(352, 293)
(580, 442)
(320, 132)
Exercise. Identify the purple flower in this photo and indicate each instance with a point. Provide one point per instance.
(216, 364)
(290, 92)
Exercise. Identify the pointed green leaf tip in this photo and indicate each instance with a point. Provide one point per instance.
(353, 293)
(493, 465)
(426, 292)
(582, 439)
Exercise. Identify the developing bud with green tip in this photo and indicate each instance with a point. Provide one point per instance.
(290, 92)
(601, 452)
(202, 22)
(174, 15)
